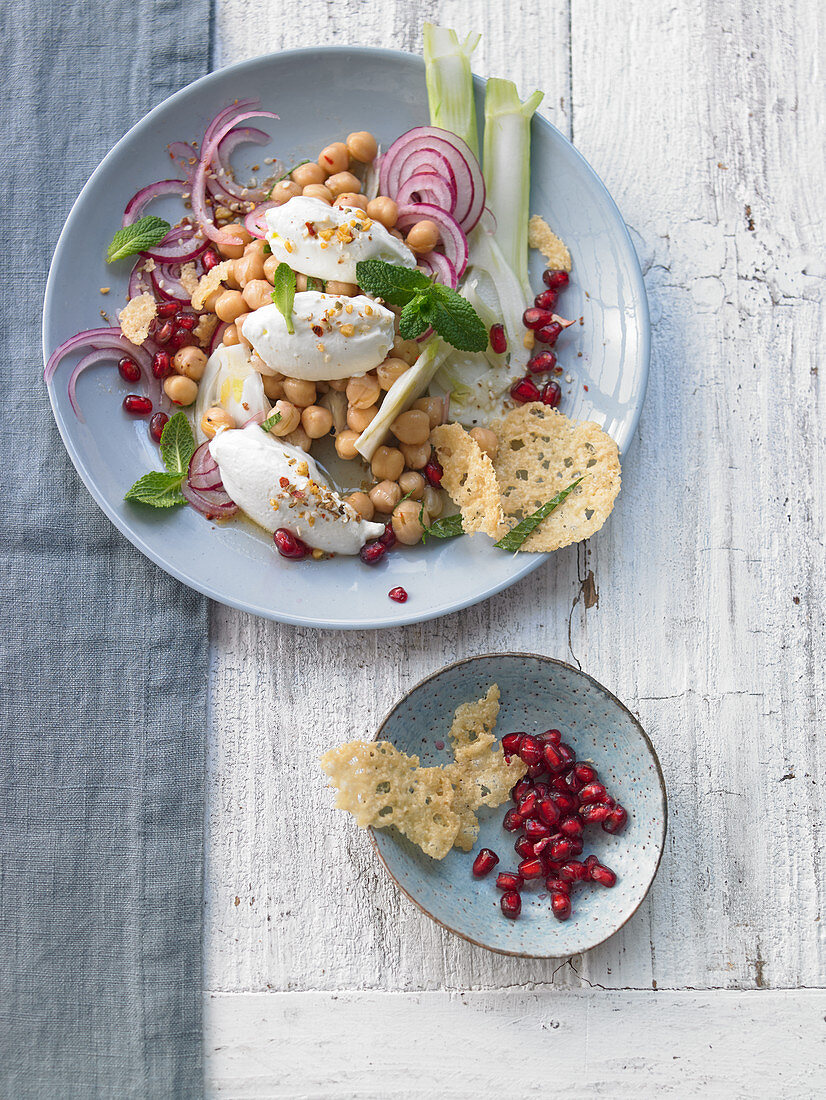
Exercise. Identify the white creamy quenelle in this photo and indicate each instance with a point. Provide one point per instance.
(328, 241)
(278, 485)
(335, 337)
(230, 380)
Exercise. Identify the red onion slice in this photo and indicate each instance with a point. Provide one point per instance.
(182, 243)
(98, 338)
(244, 134)
(428, 187)
(213, 505)
(89, 360)
(166, 279)
(255, 223)
(186, 154)
(467, 175)
(434, 263)
(217, 337)
(454, 241)
(203, 474)
(135, 206)
(233, 109)
(139, 281)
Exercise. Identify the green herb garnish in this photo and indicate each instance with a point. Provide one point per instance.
(271, 421)
(137, 237)
(284, 293)
(449, 527)
(316, 284)
(514, 538)
(289, 172)
(163, 489)
(425, 304)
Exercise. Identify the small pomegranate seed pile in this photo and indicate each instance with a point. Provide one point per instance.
(553, 803)
(542, 321)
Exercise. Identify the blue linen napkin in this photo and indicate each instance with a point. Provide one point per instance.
(104, 657)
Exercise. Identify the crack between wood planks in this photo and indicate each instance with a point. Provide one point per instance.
(588, 593)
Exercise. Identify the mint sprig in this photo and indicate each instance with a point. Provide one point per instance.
(158, 489)
(515, 537)
(425, 304)
(177, 444)
(137, 237)
(449, 527)
(162, 489)
(270, 422)
(284, 293)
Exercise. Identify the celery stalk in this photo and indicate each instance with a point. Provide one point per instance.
(449, 82)
(507, 169)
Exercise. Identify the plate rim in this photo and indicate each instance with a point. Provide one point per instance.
(131, 532)
(661, 838)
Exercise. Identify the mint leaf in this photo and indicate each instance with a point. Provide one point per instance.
(316, 284)
(177, 444)
(455, 320)
(414, 321)
(157, 489)
(270, 422)
(284, 293)
(514, 539)
(448, 528)
(391, 282)
(137, 237)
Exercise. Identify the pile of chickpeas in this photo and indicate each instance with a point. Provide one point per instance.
(400, 491)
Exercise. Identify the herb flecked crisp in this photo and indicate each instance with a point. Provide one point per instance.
(514, 538)
(162, 488)
(137, 237)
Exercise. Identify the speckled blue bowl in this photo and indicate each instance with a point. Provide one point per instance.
(538, 693)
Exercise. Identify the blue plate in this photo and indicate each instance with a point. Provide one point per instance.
(382, 91)
(538, 693)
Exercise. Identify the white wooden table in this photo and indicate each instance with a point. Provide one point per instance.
(705, 119)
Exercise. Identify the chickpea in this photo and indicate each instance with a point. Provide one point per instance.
(343, 182)
(433, 502)
(409, 350)
(412, 426)
(258, 293)
(231, 279)
(299, 438)
(487, 440)
(362, 146)
(239, 324)
(290, 418)
(214, 419)
(423, 237)
(349, 198)
(190, 362)
(180, 390)
(235, 251)
(316, 421)
(338, 384)
(364, 391)
(285, 190)
(416, 455)
(318, 191)
(230, 339)
(391, 369)
(385, 496)
(300, 392)
(322, 386)
(249, 268)
(434, 407)
(358, 419)
(300, 282)
(412, 483)
(346, 444)
(334, 158)
(230, 305)
(273, 386)
(307, 174)
(362, 504)
(383, 210)
(407, 526)
(211, 299)
(387, 464)
(270, 264)
(395, 233)
(346, 290)
(258, 364)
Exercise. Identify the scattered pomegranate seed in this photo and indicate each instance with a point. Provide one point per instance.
(535, 770)
(289, 545)
(388, 539)
(398, 594)
(484, 862)
(509, 880)
(571, 827)
(157, 425)
(560, 850)
(530, 868)
(498, 341)
(603, 875)
(593, 792)
(536, 829)
(524, 391)
(164, 333)
(161, 364)
(554, 737)
(546, 299)
(372, 552)
(565, 803)
(187, 321)
(568, 756)
(573, 871)
(548, 334)
(530, 750)
(555, 280)
(511, 904)
(594, 813)
(210, 259)
(542, 789)
(573, 783)
(137, 405)
(551, 394)
(616, 820)
(433, 472)
(527, 807)
(561, 905)
(585, 773)
(167, 309)
(552, 757)
(536, 318)
(559, 783)
(512, 821)
(542, 363)
(510, 743)
(549, 811)
(576, 845)
(523, 847)
(521, 788)
(591, 861)
(129, 369)
(180, 338)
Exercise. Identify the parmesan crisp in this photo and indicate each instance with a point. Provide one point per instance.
(470, 480)
(136, 317)
(542, 237)
(209, 282)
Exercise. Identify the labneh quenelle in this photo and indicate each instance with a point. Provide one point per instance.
(326, 242)
(279, 486)
(334, 337)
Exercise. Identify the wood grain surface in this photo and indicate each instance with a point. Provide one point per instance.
(701, 603)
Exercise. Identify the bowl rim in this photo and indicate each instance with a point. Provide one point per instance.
(646, 740)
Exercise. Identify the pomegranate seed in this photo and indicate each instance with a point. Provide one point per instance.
(554, 737)
(536, 318)
(180, 338)
(542, 363)
(521, 788)
(167, 309)
(527, 807)
(549, 811)
(546, 299)
(542, 790)
(129, 369)
(559, 783)
(524, 391)
(573, 783)
(530, 868)
(164, 333)
(137, 405)
(289, 545)
(557, 886)
(388, 539)
(571, 827)
(511, 904)
(372, 552)
(568, 756)
(616, 821)
(603, 875)
(551, 867)
(536, 829)
(551, 394)
(498, 342)
(524, 848)
(585, 773)
(484, 863)
(594, 813)
(535, 770)
(510, 743)
(157, 425)
(576, 845)
(398, 594)
(512, 821)
(573, 871)
(210, 259)
(561, 905)
(433, 472)
(187, 321)
(548, 334)
(530, 750)
(565, 803)
(161, 364)
(540, 846)
(555, 280)
(593, 792)
(552, 757)
(560, 850)
(509, 880)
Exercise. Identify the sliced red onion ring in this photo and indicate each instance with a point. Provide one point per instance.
(434, 263)
(135, 206)
(211, 503)
(203, 474)
(111, 338)
(166, 280)
(181, 151)
(428, 187)
(217, 337)
(234, 109)
(139, 281)
(244, 134)
(467, 175)
(88, 360)
(255, 222)
(182, 243)
(454, 241)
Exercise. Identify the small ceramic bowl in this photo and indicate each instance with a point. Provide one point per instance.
(538, 693)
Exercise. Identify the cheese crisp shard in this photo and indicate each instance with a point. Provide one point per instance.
(540, 453)
(541, 236)
(136, 317)
(470, 480)
(381, 786)
(209, 282)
